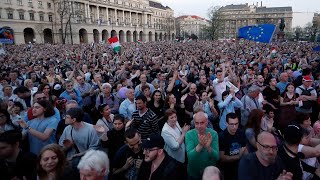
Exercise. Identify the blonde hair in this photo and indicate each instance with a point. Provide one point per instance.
(26, 82)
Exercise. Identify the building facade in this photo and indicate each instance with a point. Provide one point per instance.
(191, 24)
(86, 21)
(316, 25)
(234, 17)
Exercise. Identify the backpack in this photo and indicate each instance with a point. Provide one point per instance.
(307, 92)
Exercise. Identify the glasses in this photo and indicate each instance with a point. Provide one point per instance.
(268, 148)
(150, 150)
(2, 116)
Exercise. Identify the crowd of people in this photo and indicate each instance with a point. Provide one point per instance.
(160, 110)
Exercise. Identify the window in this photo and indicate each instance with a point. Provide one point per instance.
(8, 1)
(49, 5)
(19, 2)
(50, 17)
(21, 15)
(41, 17)
(30, 3)
(10, 15)
(40, 4)
(31, 16)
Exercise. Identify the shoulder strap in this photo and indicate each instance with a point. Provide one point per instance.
(75, 145)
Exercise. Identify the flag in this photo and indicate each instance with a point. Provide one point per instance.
(260, 33)
(114, 42)
(316, 48)
(176, 40)
(189, 40)
(139, 41)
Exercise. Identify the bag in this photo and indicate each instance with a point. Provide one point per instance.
(306, 92)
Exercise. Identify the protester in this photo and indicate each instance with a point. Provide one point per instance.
(159, 165)
(201, 146)
(176, 72)
(264, 163)
(14, 162)
(53, 164)
(94, 165)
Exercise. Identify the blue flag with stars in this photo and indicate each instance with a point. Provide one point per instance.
(259, 33)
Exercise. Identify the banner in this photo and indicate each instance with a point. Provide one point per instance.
(6, 35)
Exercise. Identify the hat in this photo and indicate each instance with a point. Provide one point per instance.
(307, 79)
(293, 134)
(155, 140)
(57, 87)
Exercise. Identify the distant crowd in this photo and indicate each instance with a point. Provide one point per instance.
(210, 110)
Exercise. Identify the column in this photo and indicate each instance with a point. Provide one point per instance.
(89, 14)
(137, 19)
(116, 16)
(131, 37)
(107, 11)
(98, 13)
(85, 10)
(123, 17)
(130, 19)
(145, 23)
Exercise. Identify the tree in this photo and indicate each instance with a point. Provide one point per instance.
(65, 12)
(311, 31)
(298, 32)
(215, 18)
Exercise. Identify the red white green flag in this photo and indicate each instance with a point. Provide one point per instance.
(114, 42)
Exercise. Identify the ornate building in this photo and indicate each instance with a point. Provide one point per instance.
(191, 24)
(316, 25)
(86, 21)
(235, 16)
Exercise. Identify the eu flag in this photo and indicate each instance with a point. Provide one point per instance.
(260, 33)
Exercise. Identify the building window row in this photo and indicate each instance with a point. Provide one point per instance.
(31, 16)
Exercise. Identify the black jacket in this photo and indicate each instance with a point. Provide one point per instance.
(169, 169)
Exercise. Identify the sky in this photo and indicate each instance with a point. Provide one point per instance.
(303, 10)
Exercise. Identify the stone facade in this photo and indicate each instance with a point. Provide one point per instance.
(235, 16)
(191, 24)
(90, 20)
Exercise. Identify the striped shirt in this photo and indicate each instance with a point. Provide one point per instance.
(146, 124)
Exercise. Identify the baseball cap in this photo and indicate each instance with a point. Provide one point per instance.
(154, 140)
(307, 79)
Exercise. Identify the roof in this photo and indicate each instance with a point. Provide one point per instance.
(158, 5)
(274, 9)
(232, 6)
(192, 16)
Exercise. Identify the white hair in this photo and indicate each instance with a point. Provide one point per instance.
(211, 173)
(95, 160)
(106, 84)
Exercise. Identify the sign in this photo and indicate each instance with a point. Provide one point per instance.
(6, 35)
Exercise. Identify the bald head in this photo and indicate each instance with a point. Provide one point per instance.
(284, 77)
(201, 122)
(266, 136)
(193, 88)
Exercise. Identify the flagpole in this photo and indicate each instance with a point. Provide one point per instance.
(273, 34)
